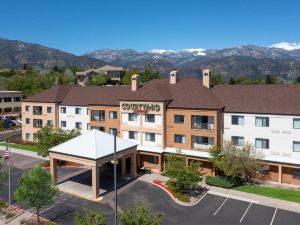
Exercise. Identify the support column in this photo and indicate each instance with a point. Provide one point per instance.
(95, 181)
(53, 169)
(159, 164)
(280, 174)
(133, 165)
(123, 164)
(138, 155)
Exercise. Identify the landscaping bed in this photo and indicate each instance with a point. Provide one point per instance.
(8, 213)
(224, 182)
(278, 193)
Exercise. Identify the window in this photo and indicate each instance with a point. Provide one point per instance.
(202, 140)
(112, 115)
(178, 138)
(0, 99)
(261, 143)
(27, 108)
(88, 126)
(37, 110)
(27, 136)
(150, 118)
(37, 123)
(98, 115)
(49, 122)
(296, 174)
(27, 121)
(112, 130)
(78, 111)
(49, 109)
(63, 124)
(203, 122)
(17, 109)
(296, 123)
(237, 120)
(7, 110)
(0, 110)
(7, 99)
(63, 110)
(133, 135)
(296, 146)
(87, 111)
(152, 159)
(150, 137)
(236, 140)
(179, 119)
(17, 99)
(261, 121)
(132, 116)
(102, 129)
(78, 125)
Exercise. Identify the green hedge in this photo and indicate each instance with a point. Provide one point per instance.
(224, 182)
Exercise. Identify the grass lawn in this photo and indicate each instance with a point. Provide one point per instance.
(22, 146)
(279, 193)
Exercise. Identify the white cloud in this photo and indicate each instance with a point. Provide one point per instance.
(286, 46)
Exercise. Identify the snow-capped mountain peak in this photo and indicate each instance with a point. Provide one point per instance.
(286, 45)
(194, 51)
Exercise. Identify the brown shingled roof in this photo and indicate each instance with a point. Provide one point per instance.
(268, 98)
(186, 93)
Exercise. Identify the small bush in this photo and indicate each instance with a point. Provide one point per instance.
(224, 182)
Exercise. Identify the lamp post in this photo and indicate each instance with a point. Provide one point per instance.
(115, 177)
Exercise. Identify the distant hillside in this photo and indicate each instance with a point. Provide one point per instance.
(14, 54)
(250, 61)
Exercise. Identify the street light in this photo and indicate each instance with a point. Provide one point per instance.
(115, 176)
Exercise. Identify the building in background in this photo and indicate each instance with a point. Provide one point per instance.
(115, 73)
(10, 103)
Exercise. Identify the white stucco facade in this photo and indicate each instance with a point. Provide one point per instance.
(280, 132)
(74, 117)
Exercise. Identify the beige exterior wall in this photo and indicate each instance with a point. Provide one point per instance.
(108, 123)
(187, 130)
(45, 117)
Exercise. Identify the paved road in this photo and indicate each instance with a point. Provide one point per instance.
(14, 133)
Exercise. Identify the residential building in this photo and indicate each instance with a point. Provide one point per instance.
(114, 72)
(10, 103)
(165, 115)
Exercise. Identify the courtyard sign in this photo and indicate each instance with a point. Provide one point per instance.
(141, 107)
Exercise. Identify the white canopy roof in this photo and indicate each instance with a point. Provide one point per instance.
(93, 145)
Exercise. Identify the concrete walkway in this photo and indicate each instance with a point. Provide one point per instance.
(24, 152)
(243, 196)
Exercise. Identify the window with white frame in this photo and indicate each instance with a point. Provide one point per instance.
(202, 140)
(63, 110)
(112, 131)
(49, 109)
(78, 111)
(150, 137)
(179, 119)
(49, 122)
(261, 143)
(261, 121)
(237, 120)
(27, 121)
(78, 125)
(28, 136)
(63, 124)
(179, 138)
(296, 146)
(237, 140)
(88, 126)
(152, 159)
(27, 108)
(133, 135)
(296, 123)
(112, 115)
(150, 118)
(132, 117)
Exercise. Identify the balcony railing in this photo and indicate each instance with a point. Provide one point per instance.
(98, 118)
(203, 126)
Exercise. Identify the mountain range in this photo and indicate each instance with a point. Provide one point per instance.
(281, 60)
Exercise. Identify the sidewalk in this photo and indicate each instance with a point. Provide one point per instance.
(243, 196)
(24, 152)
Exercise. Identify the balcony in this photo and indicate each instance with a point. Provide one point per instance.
(203, 126)
(98, 115)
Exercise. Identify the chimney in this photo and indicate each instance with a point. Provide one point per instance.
(207, 78)
(135, 82)
(173, 77)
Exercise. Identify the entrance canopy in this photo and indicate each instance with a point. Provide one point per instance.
(95, 145)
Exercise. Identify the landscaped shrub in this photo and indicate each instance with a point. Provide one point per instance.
(224, 182)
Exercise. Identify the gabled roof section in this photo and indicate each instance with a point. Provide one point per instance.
(55, 94)
(186, 93)
(110, 68)
(92, 145)
(260, 98)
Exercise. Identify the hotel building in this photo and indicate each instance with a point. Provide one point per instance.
(10, 103)
(165, 115)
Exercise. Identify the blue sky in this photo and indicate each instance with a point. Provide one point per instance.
(79, 26)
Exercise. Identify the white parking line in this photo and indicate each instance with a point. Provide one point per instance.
(273, 217)
(220, 207)
(246, 212)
